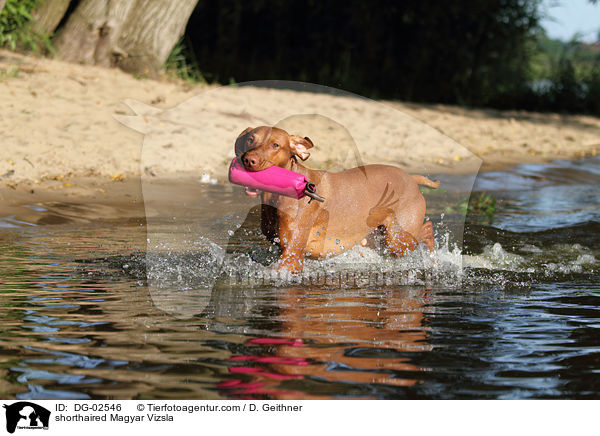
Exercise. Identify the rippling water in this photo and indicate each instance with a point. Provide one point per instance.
(192, 308)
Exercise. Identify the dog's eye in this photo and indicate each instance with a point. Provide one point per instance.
(275, 145)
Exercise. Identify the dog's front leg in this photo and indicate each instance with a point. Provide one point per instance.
(293, 245)
(293, 233)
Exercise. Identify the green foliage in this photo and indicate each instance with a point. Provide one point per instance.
(457, 51)
(484, 205)
(183, 64)
(470, 52)
(8, 74)
(459, 207)
(430, 191)
(15, 28)
(565, 77)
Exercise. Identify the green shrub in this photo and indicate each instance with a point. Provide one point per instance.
(15, 27)
(183, 64)
(484, 205)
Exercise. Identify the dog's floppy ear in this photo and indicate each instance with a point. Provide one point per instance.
(300, 146)
(246, 130)
(241, 146)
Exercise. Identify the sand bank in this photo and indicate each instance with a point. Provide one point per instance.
(63, 128)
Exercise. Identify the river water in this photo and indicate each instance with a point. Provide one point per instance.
(185, 304)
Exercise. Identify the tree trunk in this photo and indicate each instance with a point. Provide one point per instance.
(151, 32)
(136, 35)
(90, 34)
(2, 4)
(48, 14)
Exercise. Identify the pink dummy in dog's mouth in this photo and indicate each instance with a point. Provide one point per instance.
(274, 179)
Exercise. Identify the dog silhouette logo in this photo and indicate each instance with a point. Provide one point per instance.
(26, 415)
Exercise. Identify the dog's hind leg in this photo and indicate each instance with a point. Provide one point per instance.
(398, 241)
(426, 235)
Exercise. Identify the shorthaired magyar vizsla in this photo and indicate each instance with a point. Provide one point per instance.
(358, 201)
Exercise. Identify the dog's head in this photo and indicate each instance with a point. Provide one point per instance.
(262, 147)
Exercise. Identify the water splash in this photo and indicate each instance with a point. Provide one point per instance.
(359, 267)
(363, 267)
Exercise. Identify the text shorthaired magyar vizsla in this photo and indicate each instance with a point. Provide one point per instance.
(357, 202)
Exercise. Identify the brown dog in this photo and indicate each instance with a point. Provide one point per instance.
(358, 201)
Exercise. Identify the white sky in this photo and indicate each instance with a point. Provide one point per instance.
(567, 17)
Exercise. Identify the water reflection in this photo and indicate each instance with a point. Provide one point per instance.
(351, 337)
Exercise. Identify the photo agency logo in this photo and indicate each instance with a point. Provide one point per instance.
(24, 415)
(374, 217)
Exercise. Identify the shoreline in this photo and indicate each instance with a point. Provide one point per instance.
(123, 195)
(62, 140)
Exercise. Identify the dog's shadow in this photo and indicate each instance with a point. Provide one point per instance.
(249, 239)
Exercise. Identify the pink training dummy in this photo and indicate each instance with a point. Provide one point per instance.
(274, 179)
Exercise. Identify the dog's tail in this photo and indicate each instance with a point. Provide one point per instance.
(422, 180)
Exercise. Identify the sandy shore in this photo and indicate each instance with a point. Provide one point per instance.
(78, 131)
